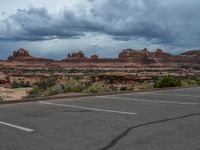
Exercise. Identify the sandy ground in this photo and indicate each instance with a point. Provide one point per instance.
(13, 94)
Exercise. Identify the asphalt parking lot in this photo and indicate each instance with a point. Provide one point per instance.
(153, 120)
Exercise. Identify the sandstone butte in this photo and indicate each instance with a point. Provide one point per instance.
(128, 58)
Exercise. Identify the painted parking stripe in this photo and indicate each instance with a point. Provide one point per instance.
(185, 95)
(148, 101)
(16, 126)
(87, 108)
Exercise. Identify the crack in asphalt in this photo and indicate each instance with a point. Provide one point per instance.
(126, 132)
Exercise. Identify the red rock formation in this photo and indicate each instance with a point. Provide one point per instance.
(19, 54)
(94, 57)
(160, 54)
(127, 58)
(3, 79)
(78, 55)
(192, 52)
(143, 56)
(191, 56)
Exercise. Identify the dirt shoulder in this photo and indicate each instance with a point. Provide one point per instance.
(13, 94)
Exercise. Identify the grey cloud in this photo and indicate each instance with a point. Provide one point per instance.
(167, 22)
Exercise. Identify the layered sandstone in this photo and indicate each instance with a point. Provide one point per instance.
(21, 57)
(128, 58)
(20, 53)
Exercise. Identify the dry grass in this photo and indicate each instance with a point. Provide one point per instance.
(13, 94)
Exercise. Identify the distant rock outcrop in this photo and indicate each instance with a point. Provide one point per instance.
(19, 53)
(144, 56)
(191, 56)
(159, 53)
(192, 52)
(77, 55)
(22, 55)
(94, 57)
(128, 57)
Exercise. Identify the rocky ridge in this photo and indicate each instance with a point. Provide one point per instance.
(127, 58)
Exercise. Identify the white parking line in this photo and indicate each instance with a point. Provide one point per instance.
(16, 126)
(185, 95)
(87, 108)
(148, 101)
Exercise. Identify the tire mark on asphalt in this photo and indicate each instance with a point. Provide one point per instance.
(126, 132)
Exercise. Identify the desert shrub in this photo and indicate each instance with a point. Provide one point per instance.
(44, 84)
(198, 81)
(191, 82)
(98, 88)
(113, 88)
(74, 86)
(57, 89)
(95, 88)
(167, 82)
(184, 83)
(93, 78)
(146, 85)
(35, 92)
(109, 81)
(20, 84)
(27, 84)
(15, 84)
(123, 88)
(1, 98)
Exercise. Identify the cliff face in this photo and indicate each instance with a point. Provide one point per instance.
(127, 58)
(145, 56)
(191, 53)
(22, 55)
(76, 55)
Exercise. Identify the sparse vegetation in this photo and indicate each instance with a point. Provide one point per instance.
(57, 89)
(190, 82)
(45, 84)
(20, 84)
(198, 81)
(52, 86)
(146, 85)
(73, 86)
(98, 88)
(167, 82)
(35, 92)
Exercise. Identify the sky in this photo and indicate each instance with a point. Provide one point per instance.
(53, 29)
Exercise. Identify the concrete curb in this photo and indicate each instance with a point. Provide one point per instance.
(86, 95)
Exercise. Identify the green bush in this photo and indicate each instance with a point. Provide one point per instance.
(198, 81)
(113, 88)
(98, 88)
(54, 90)
(190, 82)
(146, 85)
(123, 88)
(44, 84)
(167, 82)
(73, 86)
(95, 88)
(20, 84)
(35, 92)
(184, 83)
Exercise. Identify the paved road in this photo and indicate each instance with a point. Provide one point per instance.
(159, 120)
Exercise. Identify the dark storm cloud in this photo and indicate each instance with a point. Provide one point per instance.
(37, 24)
(167, 22)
